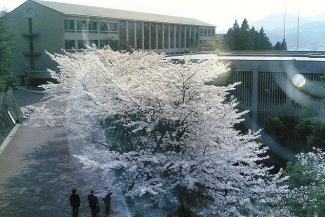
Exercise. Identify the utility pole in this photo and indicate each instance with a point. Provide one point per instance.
(298, 25)
(284, 25)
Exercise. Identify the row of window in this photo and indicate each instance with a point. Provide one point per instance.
(157, 35)
(81, 44)
(207, 32)
(92, 26)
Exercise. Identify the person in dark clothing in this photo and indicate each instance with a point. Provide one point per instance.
(107, 201)
(74, 202)
(93, 203)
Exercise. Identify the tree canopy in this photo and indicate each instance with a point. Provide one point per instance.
(169, 135)
(245, 38)
(7, 77)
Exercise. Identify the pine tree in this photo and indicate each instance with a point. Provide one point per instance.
(244, 38)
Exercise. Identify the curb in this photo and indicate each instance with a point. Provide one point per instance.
(32, 91)
(8, 138)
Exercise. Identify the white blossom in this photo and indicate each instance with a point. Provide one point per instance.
(183, 134)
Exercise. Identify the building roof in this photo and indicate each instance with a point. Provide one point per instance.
(82, 10)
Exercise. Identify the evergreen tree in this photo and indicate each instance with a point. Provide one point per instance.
(7, 78)
(280, 46)
(244, 38)
(231, 40)
(265, 43)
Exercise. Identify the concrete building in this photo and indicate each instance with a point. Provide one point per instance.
(53, 26)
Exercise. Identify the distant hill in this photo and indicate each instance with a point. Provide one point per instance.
(311, 30)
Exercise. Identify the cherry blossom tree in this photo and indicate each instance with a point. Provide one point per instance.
(169, 135)
(306, 195)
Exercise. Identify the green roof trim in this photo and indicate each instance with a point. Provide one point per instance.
(82, 10)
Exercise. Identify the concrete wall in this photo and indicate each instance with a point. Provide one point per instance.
(45, 22)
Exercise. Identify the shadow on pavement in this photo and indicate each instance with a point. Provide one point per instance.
(43, 188)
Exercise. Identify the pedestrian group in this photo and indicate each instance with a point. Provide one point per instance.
(93, 202)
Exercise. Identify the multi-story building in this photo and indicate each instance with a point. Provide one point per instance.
(53, 26)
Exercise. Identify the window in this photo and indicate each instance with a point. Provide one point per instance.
(172, 36)
(183, 37)
(113, 27)
(103, 43)
(82, 44)
(188, 36)
(69, 25)
(122, 31)
(69, 44)
(139, 35)
(166, 38)
(103, 27)
(131, 33)
(91, 42)
(92, 26)
(160, 36)
(153, 36)
(81, 25)
(146, 36)
(178, 36)
(201, 31)
(205, 31)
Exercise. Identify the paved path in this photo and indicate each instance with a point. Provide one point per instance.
(38, 172)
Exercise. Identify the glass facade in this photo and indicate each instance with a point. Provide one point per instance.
(131, 34)
(172, 36)
(93, 42)
(92, 26)
(188, 36)
(69, 44)
(183, 38)
(178, 36)
(146, 36)
(69, 25)
(166, 38)
(103, 27)
(82, 44)
(102, 43)
(160, 36)
(81, 25)
(139, 35)
(113, 27)
(153, 36)
(122, 31)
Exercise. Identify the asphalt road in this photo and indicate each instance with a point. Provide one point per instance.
(38, 172)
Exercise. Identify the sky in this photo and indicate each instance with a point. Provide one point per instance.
(221, 13)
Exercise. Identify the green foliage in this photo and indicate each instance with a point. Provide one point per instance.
(281, 125)
(244, 38)
(7, 78)
(280, 46)
(306, 183)
(8, 103)
(300, 134)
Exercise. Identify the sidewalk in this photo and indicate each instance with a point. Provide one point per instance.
(14, 130)
(38, 171)
(8, 138)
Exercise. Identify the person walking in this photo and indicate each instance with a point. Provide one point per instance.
(107, 201)
(93, 203)
(74, 202)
